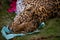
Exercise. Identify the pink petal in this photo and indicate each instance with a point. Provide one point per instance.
(9, 10)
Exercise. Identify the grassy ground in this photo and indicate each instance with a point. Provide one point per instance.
(52, 26)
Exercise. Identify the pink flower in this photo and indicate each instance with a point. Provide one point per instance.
(12, 6)
(9, 10)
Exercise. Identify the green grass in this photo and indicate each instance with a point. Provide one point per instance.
(52, 26)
